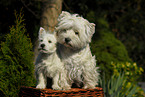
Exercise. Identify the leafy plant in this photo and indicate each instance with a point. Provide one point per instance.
(132, 73)
(114, 87)
(131, 70)
(16, 65)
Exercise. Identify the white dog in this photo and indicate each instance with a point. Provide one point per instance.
(48, 64)
(74, 34)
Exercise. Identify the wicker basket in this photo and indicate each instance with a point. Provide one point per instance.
(74, 92)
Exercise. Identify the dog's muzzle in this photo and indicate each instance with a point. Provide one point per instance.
(67, 40)
(42, 46)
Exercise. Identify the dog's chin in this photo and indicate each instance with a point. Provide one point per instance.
(68, 45)
(43, 51)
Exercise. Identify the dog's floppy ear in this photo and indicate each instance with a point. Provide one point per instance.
(41, 32)
(90, 30)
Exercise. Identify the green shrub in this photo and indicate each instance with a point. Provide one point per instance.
(107, 48)
(16, 66)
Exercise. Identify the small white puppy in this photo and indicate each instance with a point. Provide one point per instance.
(48, 64)
(74, 34)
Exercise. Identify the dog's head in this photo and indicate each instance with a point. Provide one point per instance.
(47, 41)
(74, 31)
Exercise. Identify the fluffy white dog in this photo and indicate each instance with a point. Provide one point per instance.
(74, 34)
(48, 64)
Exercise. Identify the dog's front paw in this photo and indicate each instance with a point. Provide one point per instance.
(89, 87)
(41, 86)
(67, 87)
(56, 87)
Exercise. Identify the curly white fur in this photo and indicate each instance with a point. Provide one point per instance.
(74, 34)
(48, 64)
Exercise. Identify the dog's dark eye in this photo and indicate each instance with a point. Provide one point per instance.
(49, 41)
(64, 30)
(41, 40)
(77, 33)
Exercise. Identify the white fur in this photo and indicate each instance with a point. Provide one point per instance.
(76, 54)
(48, 64)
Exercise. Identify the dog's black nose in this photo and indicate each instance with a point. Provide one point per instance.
(42, 45)
(67, 40)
